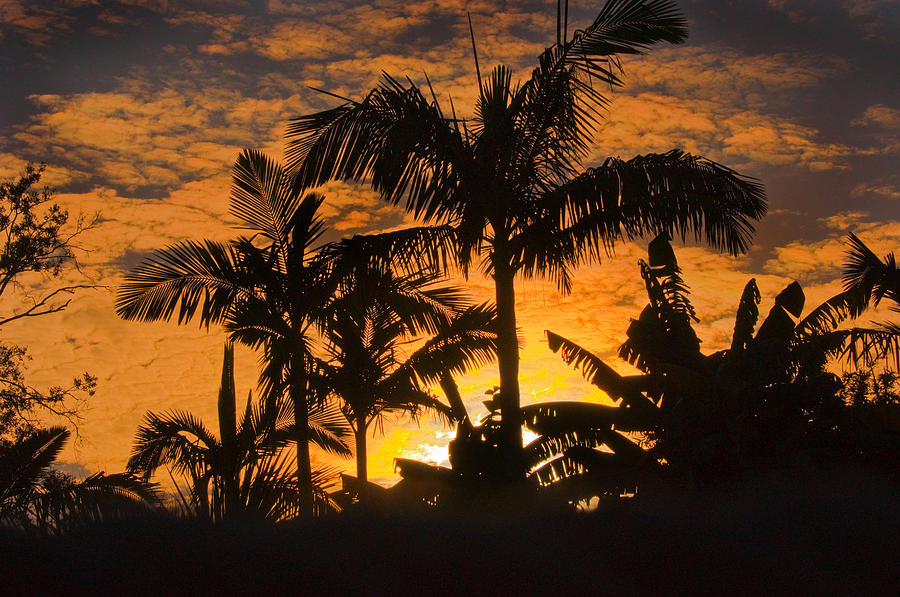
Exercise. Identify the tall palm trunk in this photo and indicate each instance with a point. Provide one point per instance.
(228, 435)
(362, 473)
(301, 428)
(508, 363)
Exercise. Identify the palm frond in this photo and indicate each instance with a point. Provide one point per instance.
(663, 267)
(627, 27)
(467, 341)
(64, 505)
(674, 192)
(116, 494)
(183, 277)
(411, 250)
(874, 278)
(176, 439)
(328, 429)
(857, 346)
(394, 135)
(261, 196)
(254, 324)
(845, 305)
(569, 81)
(600, 472)
(549, 418)
(24, 463)
(409, 399)
(554, 445)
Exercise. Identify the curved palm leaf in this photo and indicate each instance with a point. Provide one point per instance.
(600, 374)
(262, 199)
(876, 279)
(395, 136)
(562, 100)
(467, 341)
(410, 250)
(550, 446)
(176, 439)
(830, 314)
(24, 463)
(674, 192)
(64, 505)
(327, 429)
(556, 417)
(377, 313)
(858, 346)
(183, 276)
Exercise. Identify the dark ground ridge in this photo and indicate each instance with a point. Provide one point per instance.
(799, 536)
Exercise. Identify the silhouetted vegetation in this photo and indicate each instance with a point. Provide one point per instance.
(279, 290)
(374, 315)
(244, 473)
(34, 497)
(38, 238)
(509, 183)
(766, 403)
(726, 459)
(35, 241)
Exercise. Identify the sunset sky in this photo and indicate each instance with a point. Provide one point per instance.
(140, 107)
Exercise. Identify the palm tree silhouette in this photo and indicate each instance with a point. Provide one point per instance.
(270, 290)
(377, 314)
(244, 471)
(267, 289)
(34, 496)
(510, 180)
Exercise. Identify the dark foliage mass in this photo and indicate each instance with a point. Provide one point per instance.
(295, 297)
(688, 419)
(766, 403)
(791, 535)
(36, 498)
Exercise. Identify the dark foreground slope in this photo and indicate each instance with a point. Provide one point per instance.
(776, 537)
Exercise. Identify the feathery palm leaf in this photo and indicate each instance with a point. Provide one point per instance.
(467, 341)
(875, 278)
(176, 439)
(183, 276)
(24, 463)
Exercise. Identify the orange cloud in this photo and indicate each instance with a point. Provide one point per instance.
(886, 190)
(815, 261)
(136, 138)
(728, 76)
(879, 115)
(651, 122)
